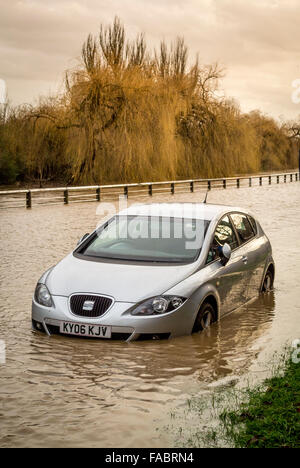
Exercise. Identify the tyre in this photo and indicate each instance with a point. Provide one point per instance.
(205, 318)
(268, 282)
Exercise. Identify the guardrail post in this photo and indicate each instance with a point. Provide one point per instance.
(224, 183)
(296, 177)
(172, 189)
(285, 179)
(238, 183)
(250, 182)
(291, 178)
(66, 197)
(28, 199)
(260, 181)
(192, 187)
(209, 184)
(270, 180)
(150, 190)
(126, 192)
(278, 179)
(98, 194)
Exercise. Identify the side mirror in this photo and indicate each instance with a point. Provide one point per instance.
(82, 238)
(225, 254)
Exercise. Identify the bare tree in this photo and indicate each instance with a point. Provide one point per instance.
(112, 42)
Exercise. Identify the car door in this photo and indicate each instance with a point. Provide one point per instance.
(231, 279)
(254, 251)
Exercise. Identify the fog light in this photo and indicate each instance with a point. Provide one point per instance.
(155, 337)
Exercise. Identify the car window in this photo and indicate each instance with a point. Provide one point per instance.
(243, 226)
(148, 238)
(224, 234)
(253, 224)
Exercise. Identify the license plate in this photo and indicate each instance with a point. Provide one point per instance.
(84, 329)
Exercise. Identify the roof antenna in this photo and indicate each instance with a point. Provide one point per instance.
(205, 200)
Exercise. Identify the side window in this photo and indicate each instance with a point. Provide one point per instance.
(243, 227)
(224, 235)
(253, 224)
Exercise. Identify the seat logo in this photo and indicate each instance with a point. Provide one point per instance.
(88, 306)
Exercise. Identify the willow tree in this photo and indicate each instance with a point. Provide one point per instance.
(121, 107)
(131, 114)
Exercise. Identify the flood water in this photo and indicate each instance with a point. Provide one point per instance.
(70, 392)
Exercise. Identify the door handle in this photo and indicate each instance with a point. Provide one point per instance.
(245, 259)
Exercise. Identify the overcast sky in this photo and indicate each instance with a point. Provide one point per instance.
(256, 41)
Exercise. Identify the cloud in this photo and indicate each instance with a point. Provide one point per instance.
(257, 42)
(2, 92)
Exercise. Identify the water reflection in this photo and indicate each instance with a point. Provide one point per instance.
(138, 370)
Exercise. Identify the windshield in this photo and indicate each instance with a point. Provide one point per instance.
(148, 238)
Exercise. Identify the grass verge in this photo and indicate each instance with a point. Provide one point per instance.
(270, 418)
(264, 416)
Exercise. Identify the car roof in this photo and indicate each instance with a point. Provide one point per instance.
(181, 210)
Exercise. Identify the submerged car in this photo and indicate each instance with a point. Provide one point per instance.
(156, 271)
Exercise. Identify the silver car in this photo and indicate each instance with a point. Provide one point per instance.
(156, 271)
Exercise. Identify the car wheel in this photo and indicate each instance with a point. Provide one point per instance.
(205, 318)
(268, 282)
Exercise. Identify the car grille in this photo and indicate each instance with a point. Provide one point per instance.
(100, 306)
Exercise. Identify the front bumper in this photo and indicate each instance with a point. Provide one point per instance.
(124, 325)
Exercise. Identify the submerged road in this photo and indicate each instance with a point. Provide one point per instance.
(69, 392)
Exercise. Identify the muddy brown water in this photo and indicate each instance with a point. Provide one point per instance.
(70, 392)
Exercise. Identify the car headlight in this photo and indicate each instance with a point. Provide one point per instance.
(159, 305)
(42, 295)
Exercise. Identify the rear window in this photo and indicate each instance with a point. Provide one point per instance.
(243, 227)
(253, 224)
